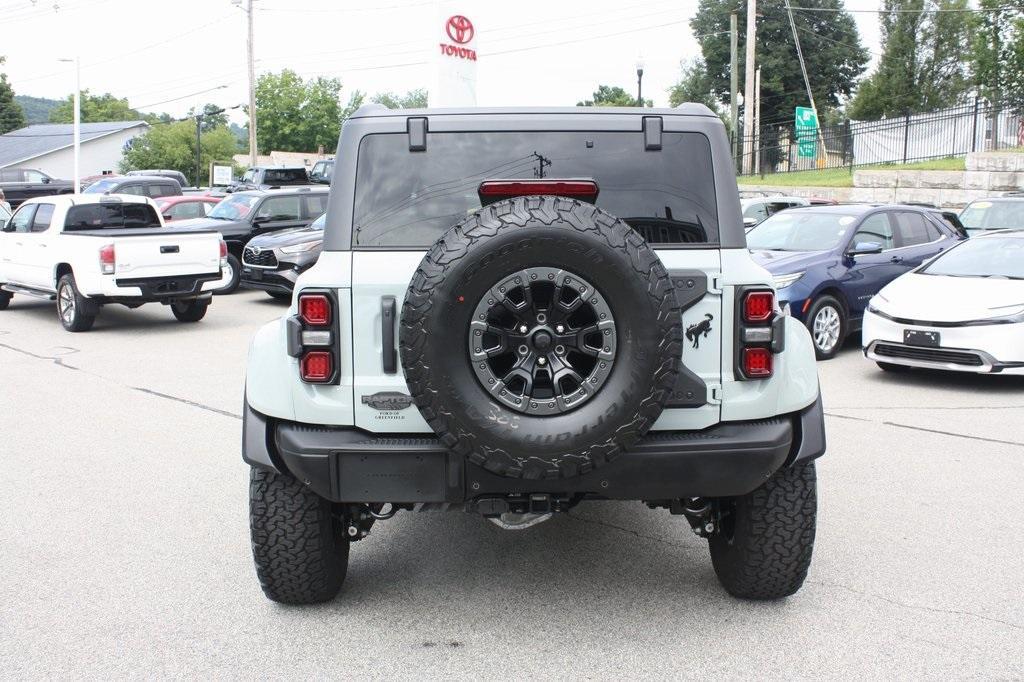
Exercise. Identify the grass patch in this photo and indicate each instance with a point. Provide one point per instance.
(842, 177)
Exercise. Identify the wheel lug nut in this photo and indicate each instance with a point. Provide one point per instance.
(560, 329)
(523, 329)
(542, 361)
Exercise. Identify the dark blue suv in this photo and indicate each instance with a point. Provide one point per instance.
(828, 261)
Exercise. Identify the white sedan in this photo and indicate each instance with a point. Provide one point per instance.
(963, 311)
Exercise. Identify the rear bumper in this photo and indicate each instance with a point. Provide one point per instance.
(351, 465)
(152, 289)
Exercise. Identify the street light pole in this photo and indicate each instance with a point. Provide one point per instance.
(639, 83)
(77, 118)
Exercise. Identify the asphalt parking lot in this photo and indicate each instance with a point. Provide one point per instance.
(124, 543)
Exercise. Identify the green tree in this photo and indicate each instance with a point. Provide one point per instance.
(612, 96)
(11, 115)
(922, 67)
(997, 54)
(414, 99)
(694, 85)
(831, 48)
(213, 116)
(295, 115)
(97, 108)
(173, 146)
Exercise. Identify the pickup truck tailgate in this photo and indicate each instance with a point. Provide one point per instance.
(170, 254)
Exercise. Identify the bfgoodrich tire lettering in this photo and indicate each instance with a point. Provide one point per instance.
(508, 237)
(767, 536)
(300, 552)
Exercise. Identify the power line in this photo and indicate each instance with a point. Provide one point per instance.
(904, 11)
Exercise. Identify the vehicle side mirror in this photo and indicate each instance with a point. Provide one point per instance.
(3, 226)
(749, 222)
(261, 219)
(167, 216)
(46, 181)
(864, 249)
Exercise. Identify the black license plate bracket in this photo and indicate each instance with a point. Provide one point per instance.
(922, 339)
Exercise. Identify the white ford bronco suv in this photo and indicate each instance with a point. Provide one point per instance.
(517, 310)
(91, 250)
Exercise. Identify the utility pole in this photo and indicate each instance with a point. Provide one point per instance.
(748, 89)
(757, 121)
(734, 77)
(252, 91)
(199, 149)
(77, 120)
(639, 81)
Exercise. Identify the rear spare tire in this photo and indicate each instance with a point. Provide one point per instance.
(540, 337)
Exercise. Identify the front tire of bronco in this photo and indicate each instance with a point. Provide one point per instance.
(300, 551)
(764, 547)
(5, 299)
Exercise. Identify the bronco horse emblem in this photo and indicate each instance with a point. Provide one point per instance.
(702, 328)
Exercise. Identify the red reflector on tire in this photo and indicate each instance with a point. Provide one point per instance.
(317, 366)
(315, 309)
(757, 362)
(758, 306)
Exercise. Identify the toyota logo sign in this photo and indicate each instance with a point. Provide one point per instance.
(461, 32)
(460, 29)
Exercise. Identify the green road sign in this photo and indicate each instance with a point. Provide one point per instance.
(806, 132)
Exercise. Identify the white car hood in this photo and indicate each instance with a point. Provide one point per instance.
(938, 298)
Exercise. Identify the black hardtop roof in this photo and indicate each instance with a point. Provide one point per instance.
(686, 109)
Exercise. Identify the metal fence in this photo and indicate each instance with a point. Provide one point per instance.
(972, 127)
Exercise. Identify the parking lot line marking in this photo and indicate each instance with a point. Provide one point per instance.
(193, 403)
(958, 435)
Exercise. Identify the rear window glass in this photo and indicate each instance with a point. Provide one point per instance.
(993, 215)
(108, 216)
(409, 199)
(275, 175)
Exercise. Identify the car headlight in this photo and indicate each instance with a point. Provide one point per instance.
(783, 281)
(301, 248)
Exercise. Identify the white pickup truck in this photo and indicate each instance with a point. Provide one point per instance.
(86, 251)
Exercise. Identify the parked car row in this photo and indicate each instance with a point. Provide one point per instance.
(907, 276)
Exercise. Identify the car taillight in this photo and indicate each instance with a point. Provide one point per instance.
(223, 253)
(757, 362)
(760, 333)
(317, 366)
(315, 309)
(107, 258)
(758, 306)
(311, 338)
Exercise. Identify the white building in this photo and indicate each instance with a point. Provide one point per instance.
(49, 147)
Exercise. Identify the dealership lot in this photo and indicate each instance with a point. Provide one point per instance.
(124, 542)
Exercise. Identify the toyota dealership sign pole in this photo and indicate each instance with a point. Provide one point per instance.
(455, 58)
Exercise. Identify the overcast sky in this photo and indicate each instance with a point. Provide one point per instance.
(153, 51)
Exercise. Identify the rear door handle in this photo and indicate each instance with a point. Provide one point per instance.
(387, 328)
(169, 249)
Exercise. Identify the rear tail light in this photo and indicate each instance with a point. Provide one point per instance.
(758, 306)
(223, 253)
(315, 309)
(496, 190)
(317, 366)
(107, 258)
(757, 362)
(312, 339)
(760, 333)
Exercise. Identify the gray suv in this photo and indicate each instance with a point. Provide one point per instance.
(518, 310)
